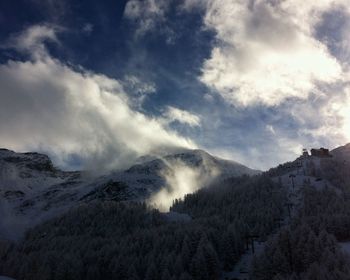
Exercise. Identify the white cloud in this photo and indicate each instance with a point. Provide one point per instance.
(268, 56)
(173, 114)
(328, 120)
(182, 179)
(266, 52)
(46, 104)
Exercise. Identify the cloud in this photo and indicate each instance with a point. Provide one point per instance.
(32, 40)
(334, 31)
(88, 28)
(182, 179)
(325, 117)
(282, 68)
(262, 136)
(266, 52)
(138, 89)
(173, 114)
(146, 14)
(49, 105)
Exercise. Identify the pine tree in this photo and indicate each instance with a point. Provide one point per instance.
(152, 273)
(185, 276)
(165, 274)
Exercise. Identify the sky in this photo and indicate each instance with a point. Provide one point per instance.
(97, 84)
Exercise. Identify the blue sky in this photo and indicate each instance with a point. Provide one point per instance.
(103, 82)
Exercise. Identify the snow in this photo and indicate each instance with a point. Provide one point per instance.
(32, 190)
(292, 180)
(345, 247)
(300, 177)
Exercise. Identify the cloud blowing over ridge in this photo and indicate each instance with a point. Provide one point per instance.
(52, 106)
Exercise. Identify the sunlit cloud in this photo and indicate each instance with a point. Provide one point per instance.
(266, 52)
(271, 55)
(51, 106)
(182, 179)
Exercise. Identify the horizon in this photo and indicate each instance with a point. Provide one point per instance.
(180, 150)
(105, 83)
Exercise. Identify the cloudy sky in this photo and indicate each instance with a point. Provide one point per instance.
(100, 83)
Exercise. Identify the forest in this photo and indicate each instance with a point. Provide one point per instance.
(131, 240)
(126, 240)
(308, 248)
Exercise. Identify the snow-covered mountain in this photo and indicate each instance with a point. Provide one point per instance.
(309, 195)
(33, 190)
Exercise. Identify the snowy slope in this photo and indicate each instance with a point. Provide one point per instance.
(293, 176)
(145, 178)
(29, 172)
(227, 168)
(342, 152)
(33, 190)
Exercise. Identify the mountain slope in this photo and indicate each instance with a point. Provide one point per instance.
(33, 190)
(342, 152)
(291, 217)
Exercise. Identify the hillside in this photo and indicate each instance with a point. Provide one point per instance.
(291, 222)
(32, 190)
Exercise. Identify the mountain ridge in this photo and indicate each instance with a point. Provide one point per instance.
(32, 189)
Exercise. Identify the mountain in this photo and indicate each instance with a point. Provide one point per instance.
(342, 152)
(333, 167)
(291, 221)
(32, 189)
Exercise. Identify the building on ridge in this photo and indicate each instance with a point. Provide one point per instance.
(322, 152)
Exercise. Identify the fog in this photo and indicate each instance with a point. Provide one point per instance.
(182, 178)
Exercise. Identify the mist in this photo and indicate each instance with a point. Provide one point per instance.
(180, 179)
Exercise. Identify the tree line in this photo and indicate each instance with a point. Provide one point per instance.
(129, 240)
